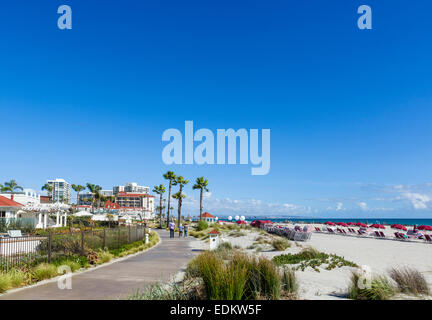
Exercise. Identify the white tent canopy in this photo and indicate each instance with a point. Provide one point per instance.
(82, 214)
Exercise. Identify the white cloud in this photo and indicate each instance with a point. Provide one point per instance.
(363, 205)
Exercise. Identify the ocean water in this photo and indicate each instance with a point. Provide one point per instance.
(407, 222)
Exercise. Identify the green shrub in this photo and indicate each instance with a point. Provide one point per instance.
(104, 256)
(379, 289)
(410, 281)
(281, 244)
(17, 277)
(202, 225)
(5, 282)
(310, 257)
(44, 271)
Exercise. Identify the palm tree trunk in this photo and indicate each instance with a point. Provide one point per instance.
(179, 206)
(77, 199)
(169, 201)
(160, 211)
(201, 198)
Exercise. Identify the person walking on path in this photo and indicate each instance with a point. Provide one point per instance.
(172, 228)
(186, 230)
(180, 230)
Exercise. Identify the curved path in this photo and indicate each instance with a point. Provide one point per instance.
(119, 279)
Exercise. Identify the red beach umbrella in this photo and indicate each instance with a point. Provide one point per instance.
(351, 223)
(359, 224)
(342, 224)
(427, 228)
(329, 223)
(398, 226)
(241, 222)
(377, 226)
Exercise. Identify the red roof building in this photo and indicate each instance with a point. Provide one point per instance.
(5, 202)
(135, 201)
(8, 207)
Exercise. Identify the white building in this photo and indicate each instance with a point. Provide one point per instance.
(26, 197)
(61, 192)
(131, 187)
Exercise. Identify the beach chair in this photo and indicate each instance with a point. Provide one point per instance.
(397, 235)
(377, 234)
(428, 238)
(382, 234)
(330, 230)
(359, 232)
(317, 229)
(343, 231)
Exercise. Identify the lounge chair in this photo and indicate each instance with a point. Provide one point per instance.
(382, 234)
(428, 238)
(317, 229)
(330, 230)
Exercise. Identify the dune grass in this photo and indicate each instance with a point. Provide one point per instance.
(281, 244)
(380, 288)
(410, 281)
(231, 274)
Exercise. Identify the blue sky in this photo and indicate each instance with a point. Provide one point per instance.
(349, 110)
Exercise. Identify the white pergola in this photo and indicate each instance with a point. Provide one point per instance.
(45, 209)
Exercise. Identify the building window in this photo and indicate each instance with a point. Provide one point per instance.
(2, 214)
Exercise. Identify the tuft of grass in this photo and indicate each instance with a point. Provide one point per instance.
(159, 291)
(281, 244)
(237, 234)
(380, 288)
(44, 271)
(105, 256)
(17, 277)
(5, 282)
(289, 281)
(409, 281)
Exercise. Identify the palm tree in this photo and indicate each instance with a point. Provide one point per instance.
(171, 177)
(201, 184)
(160, 190)
(181, 182)
(48, 188)
(78, 188)
(11, 186)
(94, 190)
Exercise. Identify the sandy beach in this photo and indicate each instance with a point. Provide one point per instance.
(379, 255)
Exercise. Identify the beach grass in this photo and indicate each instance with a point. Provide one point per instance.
(379, 288)
(410, 281)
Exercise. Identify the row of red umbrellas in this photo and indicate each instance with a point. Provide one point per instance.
(358, 224)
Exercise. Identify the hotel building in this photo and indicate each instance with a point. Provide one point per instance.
(61, 190)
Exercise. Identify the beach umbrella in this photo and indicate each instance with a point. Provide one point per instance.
(359, 224)
(377, 226)
(342, 224)
(427, 228)
(398, 226)
(351, 223)
(329, 223)
(241, 222)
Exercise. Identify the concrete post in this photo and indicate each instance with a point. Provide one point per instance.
(57, 220)
(65, 219)
(45, 223)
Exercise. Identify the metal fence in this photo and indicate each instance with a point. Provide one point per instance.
(30, 250)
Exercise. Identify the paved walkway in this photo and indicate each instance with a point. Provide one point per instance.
(119, 279)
